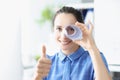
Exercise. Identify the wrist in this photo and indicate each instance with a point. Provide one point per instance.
(93, 49)
(37, 78)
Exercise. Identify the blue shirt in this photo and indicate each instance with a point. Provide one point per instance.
(81, 67)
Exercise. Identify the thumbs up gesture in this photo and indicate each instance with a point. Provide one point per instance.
(43, 66)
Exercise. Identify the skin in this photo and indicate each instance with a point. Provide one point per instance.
(43, 66)
(68, 46)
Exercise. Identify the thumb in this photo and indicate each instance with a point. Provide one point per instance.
(43, 51)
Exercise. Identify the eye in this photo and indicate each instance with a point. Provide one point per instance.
(59, 29)
(70, 30)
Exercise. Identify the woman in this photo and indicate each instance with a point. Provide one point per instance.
(77, 59)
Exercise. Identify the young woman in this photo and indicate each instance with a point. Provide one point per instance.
(77, 59)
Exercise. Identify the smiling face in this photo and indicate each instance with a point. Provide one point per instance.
(62, 20)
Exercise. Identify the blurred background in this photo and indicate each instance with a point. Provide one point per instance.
(27, 24)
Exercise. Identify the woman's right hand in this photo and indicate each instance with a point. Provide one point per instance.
(43, 66)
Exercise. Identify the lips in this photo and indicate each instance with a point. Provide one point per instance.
(65, 42)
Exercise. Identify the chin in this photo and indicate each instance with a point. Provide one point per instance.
(66, 47)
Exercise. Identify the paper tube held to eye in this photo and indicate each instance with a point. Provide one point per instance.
(73, 32)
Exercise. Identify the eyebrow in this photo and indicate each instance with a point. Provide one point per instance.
(57, 26)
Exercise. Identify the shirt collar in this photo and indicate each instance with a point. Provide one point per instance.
(72, 56)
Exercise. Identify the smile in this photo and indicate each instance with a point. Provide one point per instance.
(65, 42)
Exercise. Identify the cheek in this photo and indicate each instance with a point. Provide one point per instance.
(56, 36)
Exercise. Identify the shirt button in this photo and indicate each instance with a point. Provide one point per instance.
(67, 59)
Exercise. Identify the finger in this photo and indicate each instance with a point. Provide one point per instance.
(81, 26)
(91, 26)
(43, 55)
(45, 60)
(43, 70)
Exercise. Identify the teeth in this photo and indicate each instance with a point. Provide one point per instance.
(64, 43)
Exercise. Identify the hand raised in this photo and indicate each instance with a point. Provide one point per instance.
(87, 37)
(43, 66)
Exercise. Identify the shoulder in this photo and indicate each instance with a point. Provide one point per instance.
(102, 56)
(52, 57)
(88, 58)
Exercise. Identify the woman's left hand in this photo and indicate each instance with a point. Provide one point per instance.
(87, 40)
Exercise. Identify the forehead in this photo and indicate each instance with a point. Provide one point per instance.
(64, 19)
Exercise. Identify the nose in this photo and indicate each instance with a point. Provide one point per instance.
(63, 36)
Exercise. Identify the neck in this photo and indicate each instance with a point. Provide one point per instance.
(70, 51)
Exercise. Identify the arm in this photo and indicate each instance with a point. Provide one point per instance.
(43, 66)
(101, 71)
(88, 43)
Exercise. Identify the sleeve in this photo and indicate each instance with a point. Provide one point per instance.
(105, 61)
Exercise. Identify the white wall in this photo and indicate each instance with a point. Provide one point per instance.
(107, 29)
(10, 40)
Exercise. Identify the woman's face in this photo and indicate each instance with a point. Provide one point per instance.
(62, 20)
